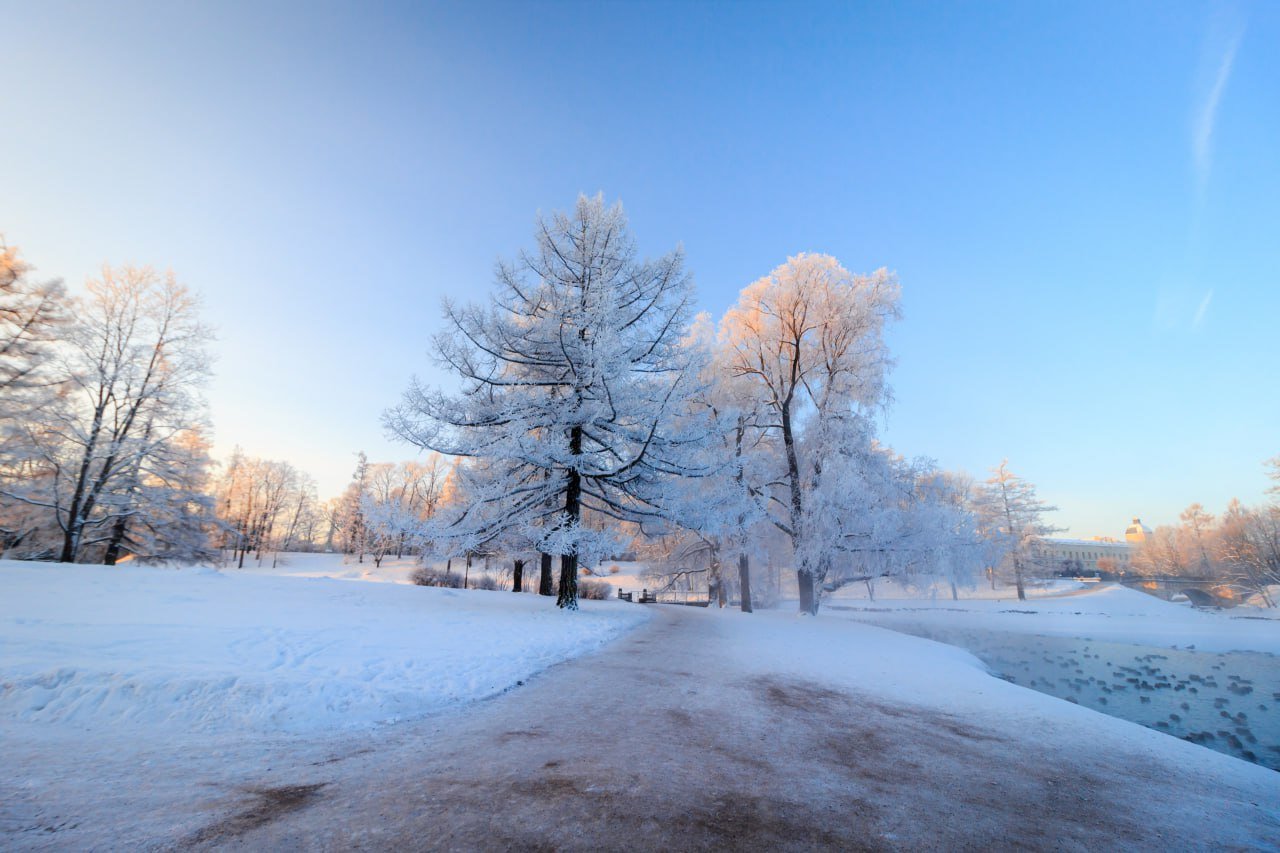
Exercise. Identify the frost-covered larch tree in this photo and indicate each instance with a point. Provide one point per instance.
(573, 378)
(1015, 517)
(809, 338)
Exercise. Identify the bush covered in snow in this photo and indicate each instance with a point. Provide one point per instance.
(428, 576)
(594, 590)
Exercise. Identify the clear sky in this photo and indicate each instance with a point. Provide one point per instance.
(1082, 200)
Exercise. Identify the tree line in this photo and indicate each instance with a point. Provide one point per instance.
(104, 448)
(1239, 549)
(594, 414)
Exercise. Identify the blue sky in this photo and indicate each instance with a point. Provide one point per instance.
(1082, 200)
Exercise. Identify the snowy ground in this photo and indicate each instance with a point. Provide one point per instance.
(701, 728)
(338, 566)
(197, 649)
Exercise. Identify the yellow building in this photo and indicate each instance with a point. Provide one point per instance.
(1137, 533)
(1086, 556)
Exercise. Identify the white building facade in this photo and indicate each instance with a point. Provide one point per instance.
(1091, 557)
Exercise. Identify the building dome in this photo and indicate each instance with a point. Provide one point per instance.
(1136, 533)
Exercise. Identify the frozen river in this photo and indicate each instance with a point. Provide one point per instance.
(1227, 701)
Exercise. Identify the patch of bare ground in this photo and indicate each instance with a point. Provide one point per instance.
(268, 804)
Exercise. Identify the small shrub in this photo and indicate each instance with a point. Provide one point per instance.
(594, 590)
(429, 576)
(613, 570)
(484, 582)
(584, 570)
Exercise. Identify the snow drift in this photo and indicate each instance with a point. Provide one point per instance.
(206, 650)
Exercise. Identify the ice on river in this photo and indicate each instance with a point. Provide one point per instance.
(1129, 655)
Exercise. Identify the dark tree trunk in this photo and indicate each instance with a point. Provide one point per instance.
(113, 545)
(567, 597)
(744, 581)
(808, 601)
(71, 534)
(955, 594)
(568, 593)
(466, 573)
(517, 575)
(544, 576)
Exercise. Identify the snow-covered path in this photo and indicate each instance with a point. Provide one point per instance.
(685, 734)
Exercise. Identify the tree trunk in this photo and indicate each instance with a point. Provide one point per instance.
(544, 575)
(744, 581)
(71, 537)
(871, 588)
(717, 574)
(466, 573)
(1017, 575)
(113, 545)
(568, 592)
(517, 575)
(955, 594)
(808, 601)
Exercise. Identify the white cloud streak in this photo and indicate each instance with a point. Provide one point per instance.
(1202, 310)
(1207, 115)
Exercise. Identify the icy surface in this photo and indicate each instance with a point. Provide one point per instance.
(1210, 677)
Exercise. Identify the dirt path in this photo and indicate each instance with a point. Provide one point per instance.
(662, 743)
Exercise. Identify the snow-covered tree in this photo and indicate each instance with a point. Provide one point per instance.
(1015, 516)
(809, 338)
(1249, 548)
(174, 512)
(355, 530)
(715, 519)
(263, 505)
(574, 381)
(32, 315)
(131, 368)
(398, 500)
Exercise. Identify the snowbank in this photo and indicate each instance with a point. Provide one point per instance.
(296, 564)
(205, 650)
(1106, 613)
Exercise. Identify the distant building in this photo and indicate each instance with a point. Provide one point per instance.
(1137, 533)
(1083, 556)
